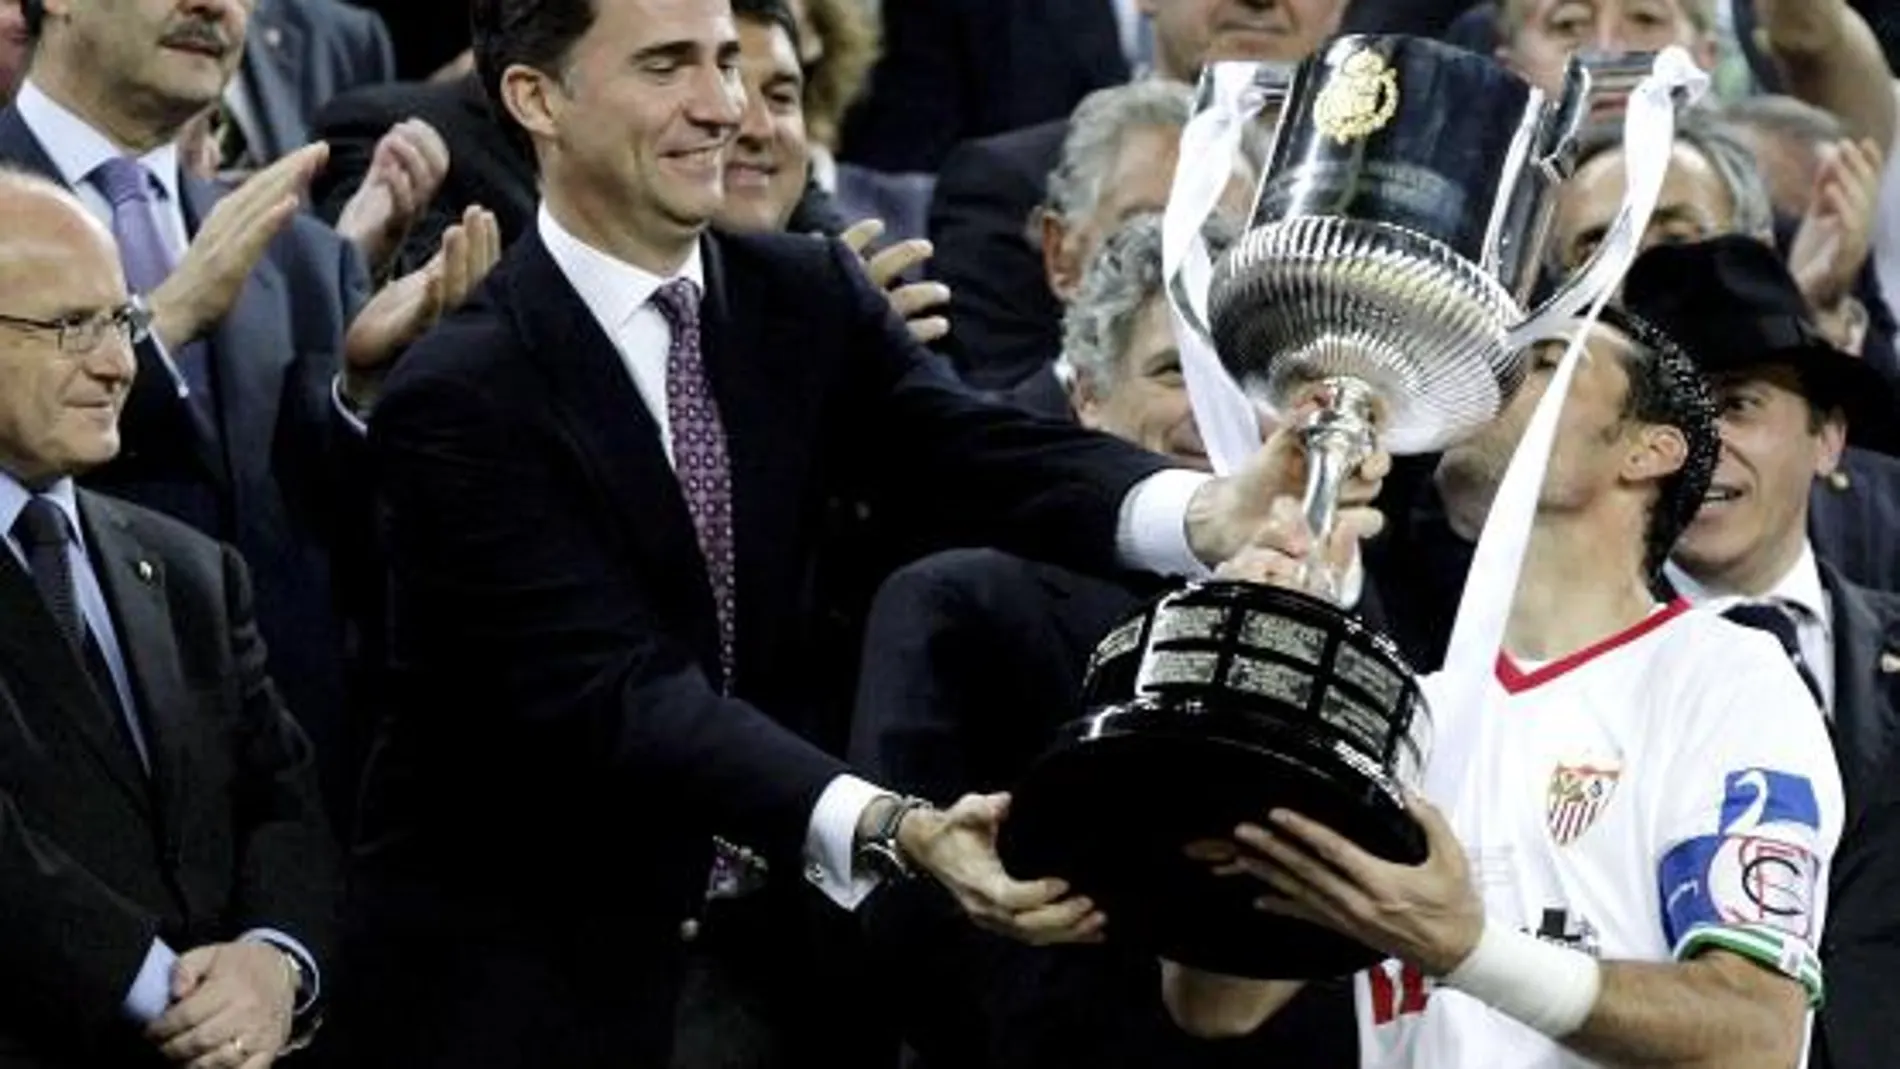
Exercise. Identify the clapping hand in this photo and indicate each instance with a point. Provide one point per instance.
(911, 301)
(406, 171)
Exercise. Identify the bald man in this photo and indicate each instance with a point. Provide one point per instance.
(168, 877)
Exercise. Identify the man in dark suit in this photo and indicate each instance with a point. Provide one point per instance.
(1787, 401)
(601, 484)
(952, 70)
(169, 880)
(261, 335)
(299, 55)
(1005, 316)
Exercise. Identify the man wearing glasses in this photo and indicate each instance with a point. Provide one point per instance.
(167, 870)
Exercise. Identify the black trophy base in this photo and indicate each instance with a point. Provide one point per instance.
(1112, 805)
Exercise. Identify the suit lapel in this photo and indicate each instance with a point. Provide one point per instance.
(133, 582)
(250, 354)
(273, 68)
(602, 411)
(44, 666)
(1863, 737)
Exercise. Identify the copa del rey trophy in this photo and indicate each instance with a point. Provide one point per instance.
(1396, 236)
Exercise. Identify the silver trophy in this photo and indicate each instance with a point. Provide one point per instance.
(1389, 268)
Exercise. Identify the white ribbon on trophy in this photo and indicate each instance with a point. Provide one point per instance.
(1228, 419)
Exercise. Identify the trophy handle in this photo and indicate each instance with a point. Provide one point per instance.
(1229, 96)
(1336, 438)
(1649, 132)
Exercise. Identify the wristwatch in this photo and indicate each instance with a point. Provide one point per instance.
(879, 851)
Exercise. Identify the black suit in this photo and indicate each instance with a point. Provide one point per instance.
(274, 476)
(957, 69)
(1860, 948)
(96, 857)
(299, 54)
(486, 167)
(537, 813)
(1004, 323)
(1857, 527)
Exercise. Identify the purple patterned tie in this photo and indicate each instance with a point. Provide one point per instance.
(699, 453)
(148, 262)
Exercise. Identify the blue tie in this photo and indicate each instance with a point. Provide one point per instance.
(147, 261)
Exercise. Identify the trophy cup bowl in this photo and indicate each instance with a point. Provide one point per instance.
(1395, 240)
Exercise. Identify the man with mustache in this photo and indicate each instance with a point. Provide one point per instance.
(263, 332)
(1005, 322)
(170, 882)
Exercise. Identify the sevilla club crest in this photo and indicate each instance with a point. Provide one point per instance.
(1577, 795)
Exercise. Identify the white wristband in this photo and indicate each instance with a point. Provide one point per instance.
(1548, 987)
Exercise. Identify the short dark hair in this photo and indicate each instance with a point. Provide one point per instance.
(1667, 389)
(776, 12)
(533, 33)
(34, 12)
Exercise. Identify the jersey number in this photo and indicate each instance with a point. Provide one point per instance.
(1394, 998)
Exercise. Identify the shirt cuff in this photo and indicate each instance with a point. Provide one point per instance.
(151, 990)
(831, 838)
(343, 408)
(1151, 533)
(313, 980)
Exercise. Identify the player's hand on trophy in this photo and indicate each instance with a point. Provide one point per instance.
(1278, 551)
(957, 846)
(1428, 914)
(1228, 513)
(916, 303)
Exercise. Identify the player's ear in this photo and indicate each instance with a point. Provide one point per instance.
(1656, 452)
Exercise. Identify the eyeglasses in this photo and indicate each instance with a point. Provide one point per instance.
(81, 333)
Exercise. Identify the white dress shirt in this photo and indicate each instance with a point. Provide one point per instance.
(1799, 589)
(1151, 534)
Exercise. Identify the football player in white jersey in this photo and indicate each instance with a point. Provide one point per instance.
(1633, 870)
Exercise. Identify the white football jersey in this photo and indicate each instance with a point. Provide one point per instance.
(1666, 791)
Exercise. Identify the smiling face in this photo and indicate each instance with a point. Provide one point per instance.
(1754, 521)
(59, 411)
(768, 163)
(1147, 403)
(158, 61)
(634, 131)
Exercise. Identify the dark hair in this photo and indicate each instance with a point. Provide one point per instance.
(34, 12)
(1667, 389)
(776, 12)
(533, 33)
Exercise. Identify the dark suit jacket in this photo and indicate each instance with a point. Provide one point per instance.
(96, 858)
(1860, 948)
(538, 810)
(972, 659)
(274, 485)
(957, 69)
(1004, 322)
(1857, 528)
(485, 166)
(300, 53)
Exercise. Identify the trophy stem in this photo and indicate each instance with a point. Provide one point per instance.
(1337, 438)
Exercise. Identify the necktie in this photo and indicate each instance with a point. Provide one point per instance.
(1779, 622)
(43, 532)
(142, 250)
(699, 453)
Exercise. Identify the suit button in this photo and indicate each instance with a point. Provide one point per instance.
(689, 930)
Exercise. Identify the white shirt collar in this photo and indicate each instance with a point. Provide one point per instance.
(1801, 584)
(77, 148)
(612, 289)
